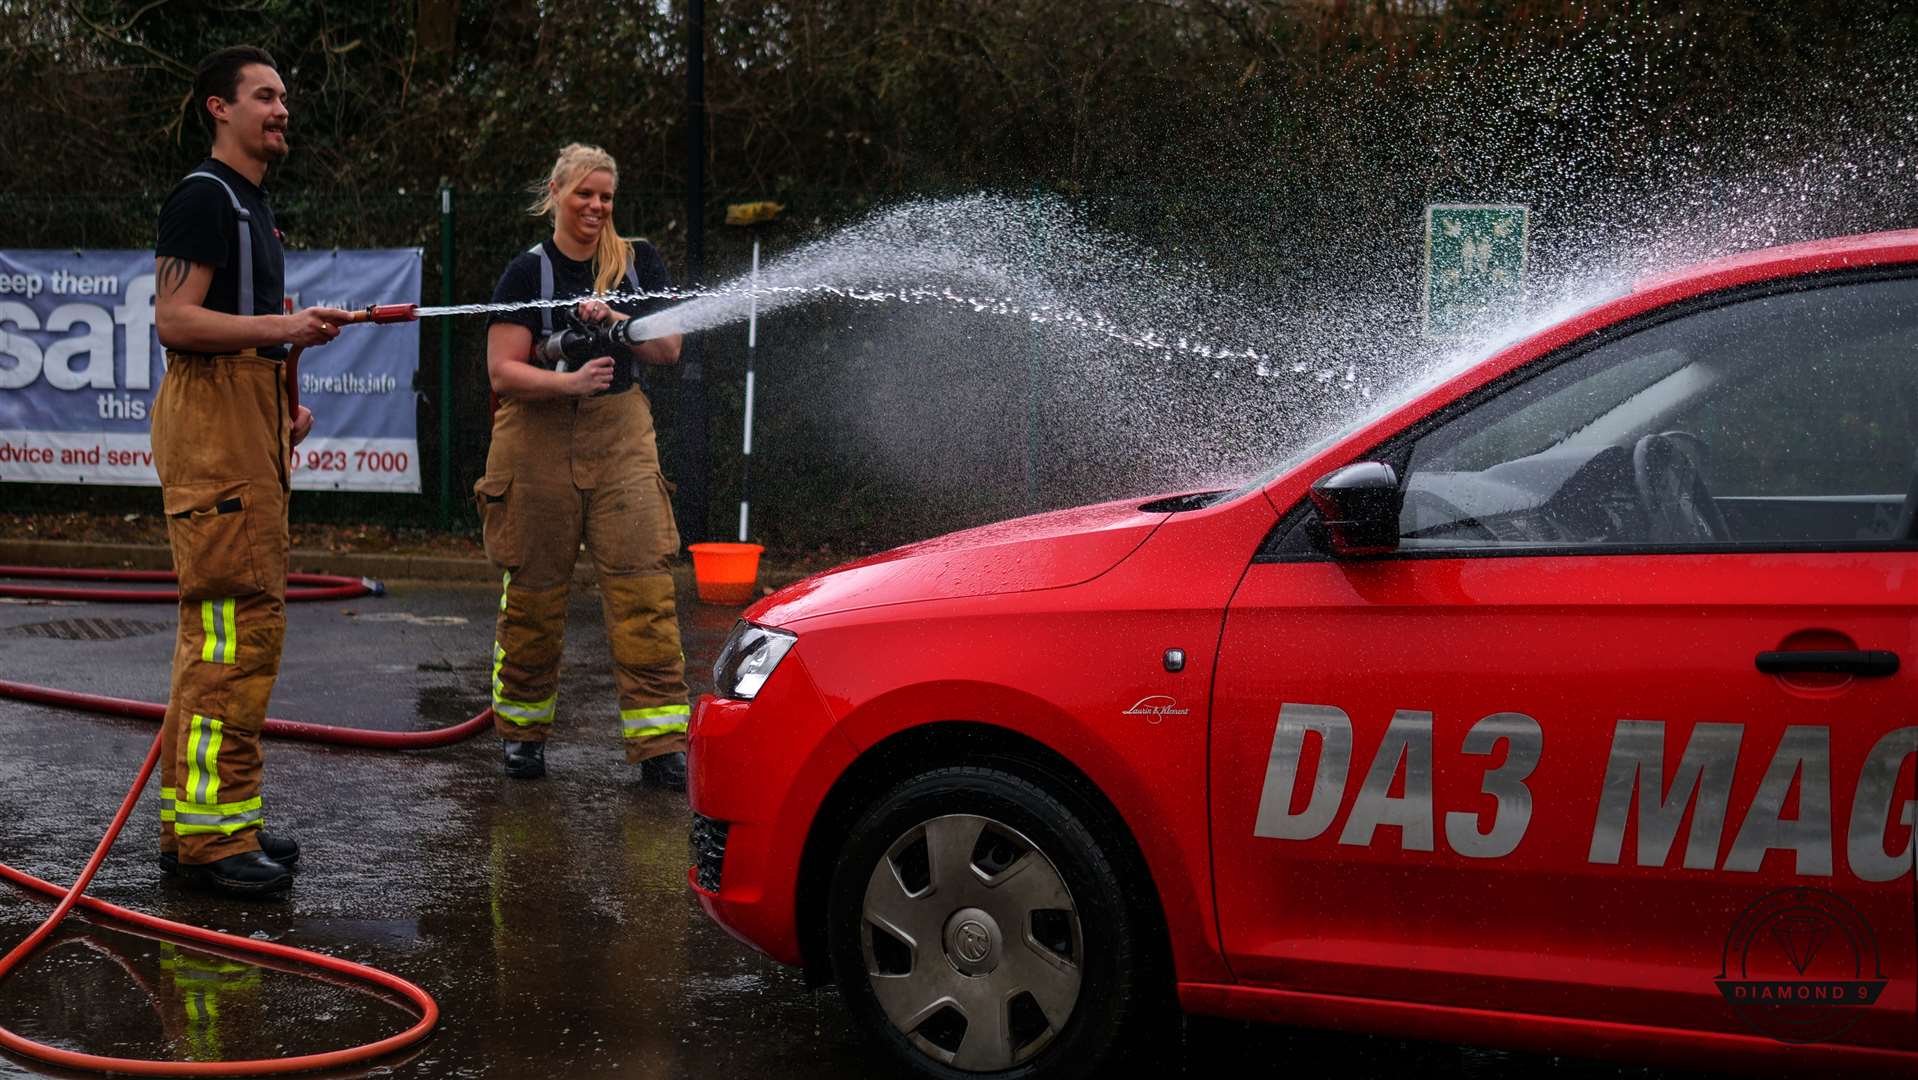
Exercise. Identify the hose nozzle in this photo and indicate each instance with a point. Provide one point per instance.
(389, 313)
(635, 331)
(569, 348)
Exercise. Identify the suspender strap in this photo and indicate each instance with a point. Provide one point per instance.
(246, 243)
(545, 289)
(546, 283)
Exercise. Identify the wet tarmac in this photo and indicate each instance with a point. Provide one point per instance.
(551, 919)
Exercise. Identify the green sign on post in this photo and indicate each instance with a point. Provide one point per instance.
(1474, 265)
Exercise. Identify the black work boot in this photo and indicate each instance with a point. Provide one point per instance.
(281, 849)
(250, 873)
(664, 771)
(524, 760)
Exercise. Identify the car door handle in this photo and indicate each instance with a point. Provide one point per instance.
(1867, 662)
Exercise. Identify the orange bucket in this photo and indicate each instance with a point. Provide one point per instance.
(725, 573)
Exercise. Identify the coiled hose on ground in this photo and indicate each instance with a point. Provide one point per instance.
(309, 587)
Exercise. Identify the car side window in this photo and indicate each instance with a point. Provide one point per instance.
(1777, 421)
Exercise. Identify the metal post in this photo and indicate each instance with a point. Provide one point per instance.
(691, 419)
(752, 349)
(446, 358)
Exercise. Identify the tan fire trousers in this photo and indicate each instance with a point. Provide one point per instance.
(560, 473)
(220, 441)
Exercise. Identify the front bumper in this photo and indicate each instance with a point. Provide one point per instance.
(758, 771)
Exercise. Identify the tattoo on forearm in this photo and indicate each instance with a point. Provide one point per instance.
(172, 274)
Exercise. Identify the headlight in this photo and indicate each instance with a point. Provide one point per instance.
(748, 658)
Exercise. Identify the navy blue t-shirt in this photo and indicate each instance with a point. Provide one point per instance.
(573, 279)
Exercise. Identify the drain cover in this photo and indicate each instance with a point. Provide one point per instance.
(88, 629)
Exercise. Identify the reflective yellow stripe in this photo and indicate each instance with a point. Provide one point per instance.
(522, 713)
(656, 729)
(188, 806)
(232, 633)
(634, 726)
(204, 736)
(210, 791)
(505, 582)
(198, 967)
(214, 980)
(217, 622)
(224, 818)
(167, 795)
(203, 1026)
(193, 737)
(658, 710)
(224, 827)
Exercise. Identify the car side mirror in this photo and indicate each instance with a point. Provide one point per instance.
(1359, 509)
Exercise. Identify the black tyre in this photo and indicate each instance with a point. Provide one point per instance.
(978, 926)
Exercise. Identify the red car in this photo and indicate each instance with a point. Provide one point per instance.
(1563, 704)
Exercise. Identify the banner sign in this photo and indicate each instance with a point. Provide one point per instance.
(80, 362)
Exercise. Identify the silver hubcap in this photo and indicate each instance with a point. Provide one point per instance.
(972, 942)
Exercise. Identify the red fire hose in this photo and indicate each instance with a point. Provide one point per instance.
(316, 586)
(285, 729)
(68, 898)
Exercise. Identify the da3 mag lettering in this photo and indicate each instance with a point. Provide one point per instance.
(1697, 789)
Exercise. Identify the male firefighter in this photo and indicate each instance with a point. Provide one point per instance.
(222, 438)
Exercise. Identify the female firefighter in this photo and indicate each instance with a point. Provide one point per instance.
(574, 460)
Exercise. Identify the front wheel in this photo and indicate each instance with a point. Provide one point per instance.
(978, 926)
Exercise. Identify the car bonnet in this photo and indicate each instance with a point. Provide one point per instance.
(1044, 551)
